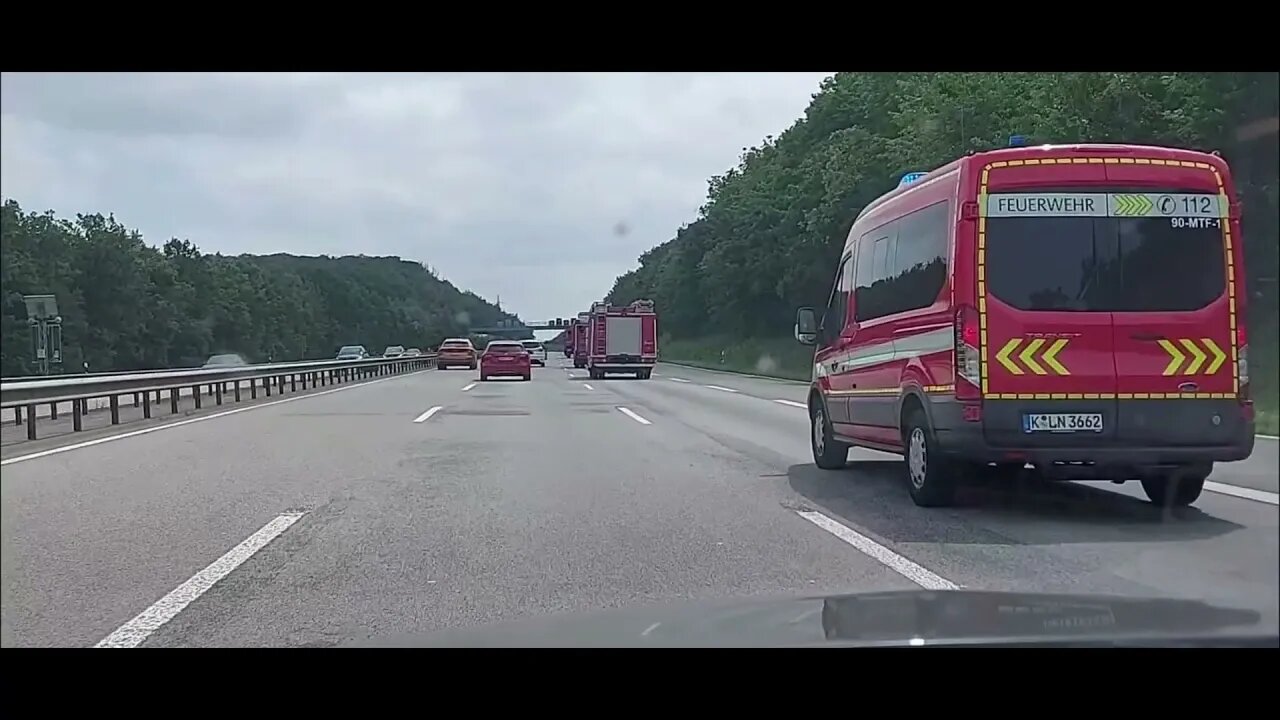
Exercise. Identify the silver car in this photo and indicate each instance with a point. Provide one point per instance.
(352, 352)
(537, 353)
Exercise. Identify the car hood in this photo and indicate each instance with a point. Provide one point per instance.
(907, 618)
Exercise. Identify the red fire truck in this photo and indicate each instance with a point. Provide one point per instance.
(580, 340)
(570, 332)
(622, 339)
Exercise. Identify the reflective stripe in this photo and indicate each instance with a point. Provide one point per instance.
(901, 348)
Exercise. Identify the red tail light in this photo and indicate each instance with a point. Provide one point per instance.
(968, 367)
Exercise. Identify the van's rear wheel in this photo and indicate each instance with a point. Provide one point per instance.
(931, 478)
(1179, 488)
(828, 453)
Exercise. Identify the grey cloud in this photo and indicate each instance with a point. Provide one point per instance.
(158, 104)
(505, 183)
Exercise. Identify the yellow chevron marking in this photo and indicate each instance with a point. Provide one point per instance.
(1218, 356)
(1002, 357)
(1197, 357)
(1175, 354)
(1050, 357)
(1025, 356)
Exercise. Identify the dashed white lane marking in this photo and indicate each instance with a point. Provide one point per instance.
(633, 416)
(427, 415)
(678, 380)
(890, 559)
(720, 388)
(468, 387)
(792, 403)
(1242, 492)
(585, 385)
(134, 632)
(650, 629)
(180, 423)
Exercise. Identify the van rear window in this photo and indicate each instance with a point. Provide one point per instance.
(1105, 264)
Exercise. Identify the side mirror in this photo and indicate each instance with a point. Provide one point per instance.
(806, 329)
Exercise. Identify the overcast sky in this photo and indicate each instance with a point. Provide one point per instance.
(506, 184)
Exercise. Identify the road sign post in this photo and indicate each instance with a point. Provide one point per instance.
(46, 331)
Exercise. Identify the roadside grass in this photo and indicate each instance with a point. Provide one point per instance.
(771, 357)
(785, 358)
(1264, 351)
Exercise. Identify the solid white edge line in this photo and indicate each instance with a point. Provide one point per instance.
(137, 630)
(633, 416)
(720, 388)
(180, 423)
(1242, 492)
(793, 403)
(679, 380)
(427, 415)
(585, 385)
(1268, 437)
(468, 387)
(890, 559)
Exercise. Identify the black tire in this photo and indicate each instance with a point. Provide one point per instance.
(1179, 488)
(828, 453)
(646, 374)
(441, 367)
(526, 378)
(932, 479)
(472, 366)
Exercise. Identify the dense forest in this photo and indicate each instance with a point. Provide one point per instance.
(768, 237)
(128, 305)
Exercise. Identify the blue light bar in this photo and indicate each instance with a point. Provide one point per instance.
(910, 178)
(1017, 141)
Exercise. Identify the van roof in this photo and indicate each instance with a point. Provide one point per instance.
(1031, 151)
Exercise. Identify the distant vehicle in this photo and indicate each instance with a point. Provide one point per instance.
(457, 351)
(580, 350)
(224, 360)
(393, 351)
(570, 333)
(352, 352)
(1079, 308)
(622, 339)
(537, 353)
(505, 357)
(412, 352)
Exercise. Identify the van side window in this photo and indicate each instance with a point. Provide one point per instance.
(837, 311)
(920, 260)
(902, 265)
(875, 253)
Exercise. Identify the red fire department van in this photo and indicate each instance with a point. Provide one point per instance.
(622, 339)
(1079, 308)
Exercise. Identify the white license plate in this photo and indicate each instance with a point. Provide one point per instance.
(1062, 422)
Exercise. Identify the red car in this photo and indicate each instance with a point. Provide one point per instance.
(1079, 308)
(456, 351)
(505, 357)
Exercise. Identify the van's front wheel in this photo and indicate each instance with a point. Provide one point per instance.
(1177, 489)
(931, 478)
(828, 453)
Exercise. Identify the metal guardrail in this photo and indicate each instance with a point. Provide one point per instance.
(105, 373)
(25, 395)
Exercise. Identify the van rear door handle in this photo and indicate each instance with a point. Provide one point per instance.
(1147, 336)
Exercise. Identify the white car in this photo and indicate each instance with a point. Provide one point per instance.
(537, 353)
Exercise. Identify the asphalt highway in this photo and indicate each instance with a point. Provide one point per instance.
(429, 501)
